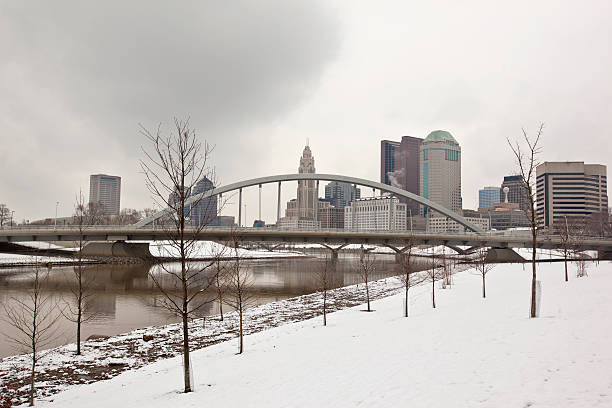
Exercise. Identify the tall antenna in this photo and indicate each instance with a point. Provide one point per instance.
(307, 142)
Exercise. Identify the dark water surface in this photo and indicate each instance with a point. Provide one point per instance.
(124, 297)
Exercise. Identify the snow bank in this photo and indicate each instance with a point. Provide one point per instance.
(209, 249)
(469, 352)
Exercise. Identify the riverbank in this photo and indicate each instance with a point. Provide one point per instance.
(468, 352)
(106, 358)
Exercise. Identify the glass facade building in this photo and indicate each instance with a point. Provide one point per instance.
(488, 196)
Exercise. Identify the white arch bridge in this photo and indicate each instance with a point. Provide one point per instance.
(317, 177)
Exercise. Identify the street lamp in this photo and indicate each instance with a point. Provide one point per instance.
(12, 214)
(55, 224)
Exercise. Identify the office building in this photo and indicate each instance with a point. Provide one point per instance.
(438, 224)
(399, 166)
(569, 190)
(341, 194)
(440, 170)
(516, 191)
(300, 212)
(330, 217)
(306, 192)
(488, 196)
(204, 211)
(503, 216)
(384, 213)
(106, 190)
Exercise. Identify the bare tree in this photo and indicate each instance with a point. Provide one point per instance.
(578, 229)
(35, 319)
(128, 216)
(218, 253)
(366, 268)
(409, 276)
(5, 214)
(74, 310)
(482, 267)
(94, 212)
(239, 284)
(447, 269)
(324, 282)
(434, 274)
(561, 228)
(527, 161)
(176, 162)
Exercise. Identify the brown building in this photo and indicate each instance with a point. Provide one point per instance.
(330, 217)
(399, 166)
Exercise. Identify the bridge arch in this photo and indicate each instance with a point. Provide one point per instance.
(325, 177)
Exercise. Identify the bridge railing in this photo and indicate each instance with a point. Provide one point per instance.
(161, 228)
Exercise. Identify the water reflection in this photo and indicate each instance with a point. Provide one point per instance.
(124, 297)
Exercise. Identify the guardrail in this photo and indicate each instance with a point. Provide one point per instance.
(161, 228)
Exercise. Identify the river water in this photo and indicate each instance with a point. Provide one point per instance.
(124, 297)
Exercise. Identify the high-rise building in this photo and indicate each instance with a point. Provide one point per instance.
(306, 192)
(204, 212)
(341, 194)
(516, 191)
(569, 189)
(488, 196)
(300, 212)
(440, 169)
(384, 213)
(399, 166)
(106, 190)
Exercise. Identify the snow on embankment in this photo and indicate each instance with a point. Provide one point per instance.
(469, 352)
(209, 249)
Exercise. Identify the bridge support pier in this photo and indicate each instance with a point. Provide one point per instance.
(334, 254)
(118, 249)
(503, 255)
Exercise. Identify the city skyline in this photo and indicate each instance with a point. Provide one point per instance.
(369, 74)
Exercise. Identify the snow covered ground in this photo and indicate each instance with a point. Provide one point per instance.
(209, 249)
(19, 259)
(469, 352)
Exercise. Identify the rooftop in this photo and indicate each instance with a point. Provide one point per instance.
(440, 136)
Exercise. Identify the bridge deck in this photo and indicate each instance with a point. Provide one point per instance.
(395, 238)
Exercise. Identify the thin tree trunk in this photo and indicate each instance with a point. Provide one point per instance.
(367, 294)
(32, 378)
(565, 261)
(406, 305)
(325, 308)
(220, 295)
(533, 271)
(240, 313)
(79, 309)
(484, 291)
(433, 292)
(187, 370)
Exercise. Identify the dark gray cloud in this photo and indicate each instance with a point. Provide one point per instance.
(78, 77)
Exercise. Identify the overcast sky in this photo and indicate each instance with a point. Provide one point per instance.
(260, 78)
